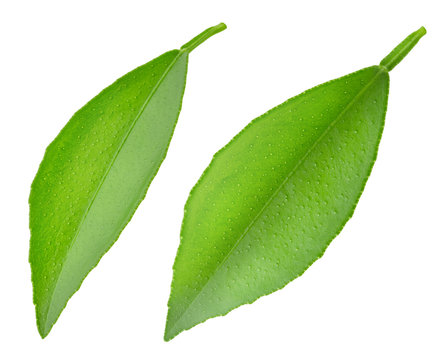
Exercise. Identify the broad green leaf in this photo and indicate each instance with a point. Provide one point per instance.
(272, 199)
(97, 171)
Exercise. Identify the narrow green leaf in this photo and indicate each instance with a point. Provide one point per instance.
(97, 171)
(273, 198)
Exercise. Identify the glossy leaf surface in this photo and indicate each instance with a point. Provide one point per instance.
(97, 171)
(273, 199)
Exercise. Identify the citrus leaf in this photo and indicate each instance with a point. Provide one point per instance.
(272, 200)
(96, 172)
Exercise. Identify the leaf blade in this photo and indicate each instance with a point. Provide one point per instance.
(95, 174)
(219, 285)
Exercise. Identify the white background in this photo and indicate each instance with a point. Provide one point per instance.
(371, 296)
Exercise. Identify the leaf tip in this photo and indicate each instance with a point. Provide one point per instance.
(42, 329)
(169, 334)
(43, 323)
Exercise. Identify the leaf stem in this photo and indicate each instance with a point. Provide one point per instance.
(401, 50)
(199, 39)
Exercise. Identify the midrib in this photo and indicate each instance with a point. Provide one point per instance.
(277, 191)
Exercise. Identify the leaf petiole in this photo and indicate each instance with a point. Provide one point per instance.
(199, 39)
(401, 50)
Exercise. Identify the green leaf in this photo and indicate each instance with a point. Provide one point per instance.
(97, 171)
(272, 199)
